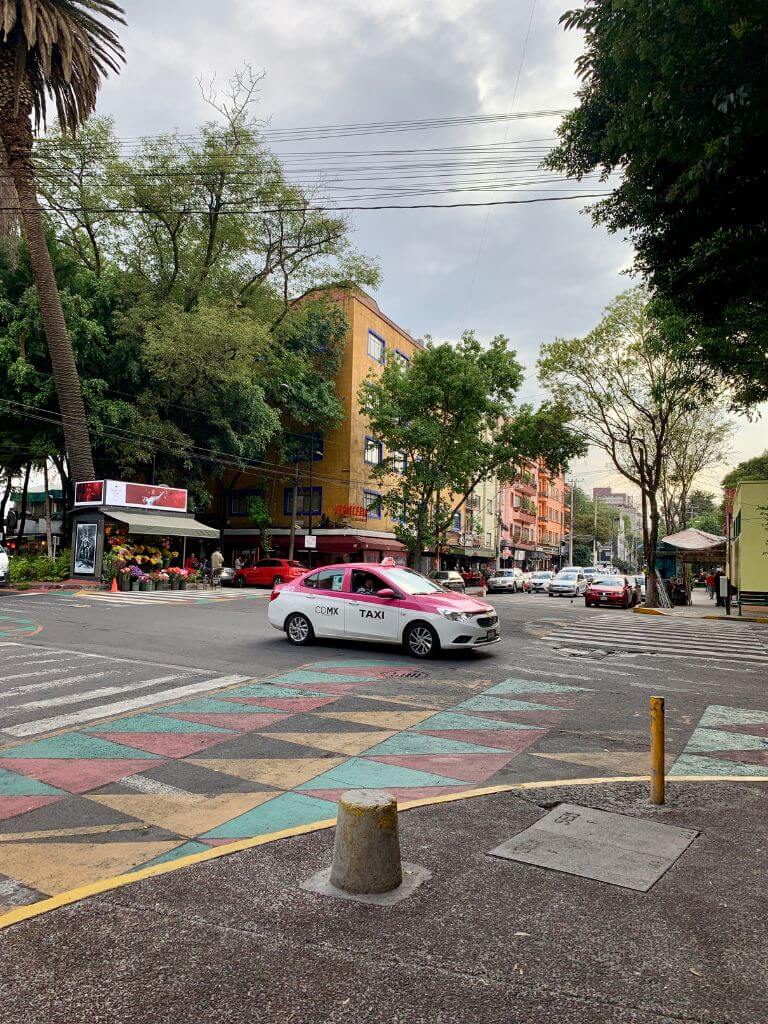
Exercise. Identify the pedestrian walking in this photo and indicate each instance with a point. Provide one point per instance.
(217, 564)
(710, 586)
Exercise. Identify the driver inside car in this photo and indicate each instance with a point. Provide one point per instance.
(367, 586)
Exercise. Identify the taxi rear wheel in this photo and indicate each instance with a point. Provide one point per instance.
(421, 640)
(299, 630)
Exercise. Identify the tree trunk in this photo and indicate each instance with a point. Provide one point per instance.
(651, 590)
(23, 513)
(16, 136)
(4, 502)
(9, 211)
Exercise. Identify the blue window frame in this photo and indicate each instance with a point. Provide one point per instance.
(374, 451)
(401, 358)
(399, 462)
(377, 347)
(239, 501)
(303, 506)
(372, 503)
(456, 524)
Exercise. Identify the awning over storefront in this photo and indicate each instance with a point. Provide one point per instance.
(694, 540)
(164, 526)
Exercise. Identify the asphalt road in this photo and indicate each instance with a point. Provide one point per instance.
(68, 659)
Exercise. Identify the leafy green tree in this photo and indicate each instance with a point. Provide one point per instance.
(592, 521)
(751, 469)
(449, 421)
(629, 396)
(673, 97)
(58, 50)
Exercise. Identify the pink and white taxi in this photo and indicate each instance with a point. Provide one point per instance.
(387, 603)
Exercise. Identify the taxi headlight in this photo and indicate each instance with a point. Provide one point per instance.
(454, 616)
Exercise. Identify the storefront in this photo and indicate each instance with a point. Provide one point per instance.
(139, 524)
(326, 547)
(547, 556)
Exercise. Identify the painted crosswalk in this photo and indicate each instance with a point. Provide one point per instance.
(43, 688)
(739, 644)
(171, 597)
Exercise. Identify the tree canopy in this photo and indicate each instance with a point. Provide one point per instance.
(673, 97)
(751, 469)
(449, 421)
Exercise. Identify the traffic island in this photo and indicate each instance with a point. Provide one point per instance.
(487, 939)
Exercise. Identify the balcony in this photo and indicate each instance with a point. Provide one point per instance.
(523, 486)
(525, 515)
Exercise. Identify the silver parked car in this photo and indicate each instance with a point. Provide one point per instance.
(568, 583)
(449, 579)
(505, 580)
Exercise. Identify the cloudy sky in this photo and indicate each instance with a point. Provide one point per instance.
(532, 272)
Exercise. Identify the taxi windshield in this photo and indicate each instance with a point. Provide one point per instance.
(413, 583)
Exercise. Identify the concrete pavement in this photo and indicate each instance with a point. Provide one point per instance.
(237, 939)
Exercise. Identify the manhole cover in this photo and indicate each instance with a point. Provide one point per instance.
(404, 673)
(630, 852)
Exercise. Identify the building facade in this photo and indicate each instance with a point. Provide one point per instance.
(535, 518)
(337, 499)
(624, 541)
(748, 548)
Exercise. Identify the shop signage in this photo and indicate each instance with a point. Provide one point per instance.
(122, 494)
(350, 512)
(310, 542)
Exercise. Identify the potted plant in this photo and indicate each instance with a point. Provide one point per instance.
(146, 583)
(161, 580)
(185, 575)
(124, 578)
(135, 576)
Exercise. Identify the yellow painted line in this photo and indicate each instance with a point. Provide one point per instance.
(66, 899)
(639, 610)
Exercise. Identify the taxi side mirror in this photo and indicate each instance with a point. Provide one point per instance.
(387, 593)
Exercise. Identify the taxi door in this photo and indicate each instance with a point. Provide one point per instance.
(321, 597)
(367, 616)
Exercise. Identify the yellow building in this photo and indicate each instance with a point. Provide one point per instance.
(337, 496)
(749, 543)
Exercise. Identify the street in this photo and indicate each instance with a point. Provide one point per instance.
(138, 731)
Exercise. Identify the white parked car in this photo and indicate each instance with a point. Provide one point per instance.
(568, 583)
(386, 603)
(539, 581)
(5, 567)
(509, 580)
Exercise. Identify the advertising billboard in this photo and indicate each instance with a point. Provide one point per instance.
(122, 494)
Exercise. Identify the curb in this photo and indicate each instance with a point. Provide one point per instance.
(80, 893)
(762, 619)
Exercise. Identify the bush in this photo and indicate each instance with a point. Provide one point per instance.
(38, 568)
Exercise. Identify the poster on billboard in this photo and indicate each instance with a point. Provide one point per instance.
(85, 549)
(128, 495)
(89, 492)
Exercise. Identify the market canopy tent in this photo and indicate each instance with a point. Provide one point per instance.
(164, 526)
(696, 546)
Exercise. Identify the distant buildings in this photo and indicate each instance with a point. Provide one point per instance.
(535, 518)
(623, 542)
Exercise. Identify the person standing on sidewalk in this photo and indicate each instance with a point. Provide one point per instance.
(710, 585)
(217, 564)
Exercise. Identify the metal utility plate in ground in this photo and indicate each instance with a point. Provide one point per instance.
(413, 876)
(629, 852)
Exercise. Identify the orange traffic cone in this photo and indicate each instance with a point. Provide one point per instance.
(113, 588)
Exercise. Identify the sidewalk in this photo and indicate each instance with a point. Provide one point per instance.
(486, 940)
(704, 608)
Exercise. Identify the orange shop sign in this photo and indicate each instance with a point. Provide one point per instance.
(350, 512)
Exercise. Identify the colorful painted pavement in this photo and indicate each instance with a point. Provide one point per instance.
(254, 759)
(727, 741)
(14, 628)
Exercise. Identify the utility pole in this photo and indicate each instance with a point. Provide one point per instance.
(294, 513)
(570, 531)
(311, 492)
(594, 530)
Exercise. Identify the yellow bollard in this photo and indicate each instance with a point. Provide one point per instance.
(657, 750)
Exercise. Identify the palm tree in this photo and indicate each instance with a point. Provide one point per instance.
(59, 49)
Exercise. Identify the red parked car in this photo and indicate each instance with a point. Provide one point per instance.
(268, 572)
(616, 591)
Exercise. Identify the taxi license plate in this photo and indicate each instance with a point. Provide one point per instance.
(491, 634)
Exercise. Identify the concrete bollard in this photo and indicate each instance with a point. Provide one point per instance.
(366, 849)
(366, 863)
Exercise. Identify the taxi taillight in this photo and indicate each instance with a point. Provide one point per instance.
(274, 594)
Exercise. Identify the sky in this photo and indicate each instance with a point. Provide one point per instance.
(531, 272)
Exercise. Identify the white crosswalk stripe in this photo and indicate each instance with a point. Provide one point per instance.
(182, 597)
(738, 644)
(84, 687)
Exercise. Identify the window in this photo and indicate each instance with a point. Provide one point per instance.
(399, 462)
(456, 524)
(374, 451)
(401, 358)
(516, 501)
(239, 501)
(304, 505)
(377, 347)
(364, 582)
(488, 540)
(372, 503)
(328, 579)
(489, 507)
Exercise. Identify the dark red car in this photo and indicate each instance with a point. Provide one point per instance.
(268, 572)
(611, 591)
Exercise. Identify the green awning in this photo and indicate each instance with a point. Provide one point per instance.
(162, 526)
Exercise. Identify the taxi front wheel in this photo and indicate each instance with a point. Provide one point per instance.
(421, 640)
(299, 630)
